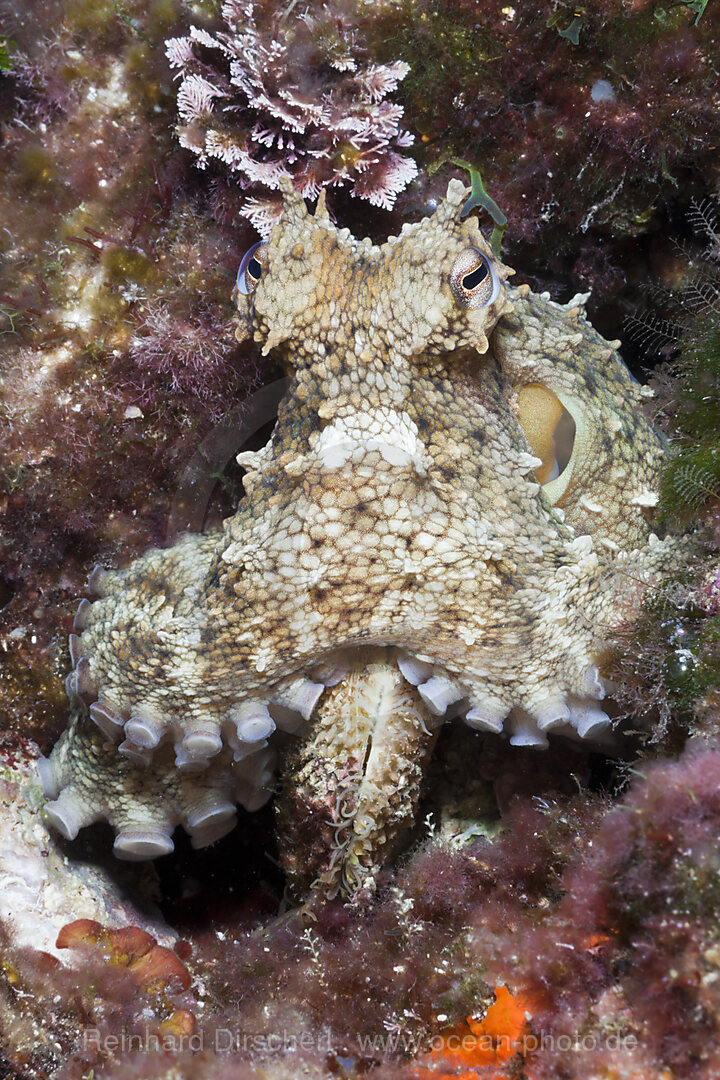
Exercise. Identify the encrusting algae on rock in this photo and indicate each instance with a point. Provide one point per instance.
(581, 941)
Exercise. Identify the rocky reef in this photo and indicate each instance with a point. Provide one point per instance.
(553, 915)
(581, 941)
(119, 255)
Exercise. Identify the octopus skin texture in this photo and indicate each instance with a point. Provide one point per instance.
(407, 553)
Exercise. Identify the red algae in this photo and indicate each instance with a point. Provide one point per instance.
(581, 941)
(115, 321)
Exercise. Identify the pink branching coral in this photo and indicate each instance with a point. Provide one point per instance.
(273, 98)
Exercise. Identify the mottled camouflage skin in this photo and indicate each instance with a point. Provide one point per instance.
(393, 518)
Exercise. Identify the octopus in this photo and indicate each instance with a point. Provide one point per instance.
(453, 512)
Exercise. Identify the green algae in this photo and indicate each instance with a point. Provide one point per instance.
(479, 198)
(35, 166)
(691, 483)
(127, 264)
(7, 48)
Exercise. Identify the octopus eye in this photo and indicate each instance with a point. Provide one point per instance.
(473, 279)
(251, 267)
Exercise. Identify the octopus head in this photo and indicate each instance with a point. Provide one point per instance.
(435, 288)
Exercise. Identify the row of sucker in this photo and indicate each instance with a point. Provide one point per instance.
(139, 731)
(88, 782)
(197, 779)
(575, 715)
(287, 706)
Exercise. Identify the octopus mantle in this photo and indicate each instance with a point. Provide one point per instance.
(408, 552)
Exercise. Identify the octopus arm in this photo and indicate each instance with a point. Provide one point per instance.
(86, 780)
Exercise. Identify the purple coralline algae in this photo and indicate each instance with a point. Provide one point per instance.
(597, 916)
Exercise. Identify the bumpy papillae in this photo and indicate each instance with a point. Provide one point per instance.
(173, 725)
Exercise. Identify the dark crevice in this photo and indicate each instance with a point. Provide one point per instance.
(7, 591)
